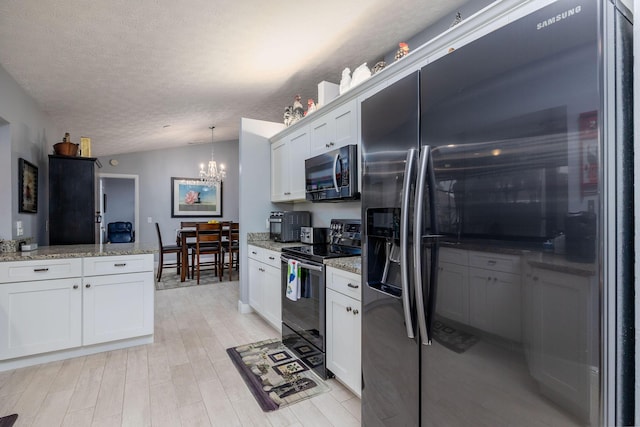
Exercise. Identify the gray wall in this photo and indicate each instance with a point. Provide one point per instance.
(155, 169)
(25, 132)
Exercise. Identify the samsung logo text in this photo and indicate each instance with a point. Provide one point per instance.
(559, 17)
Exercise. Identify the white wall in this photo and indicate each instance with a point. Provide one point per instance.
(31, 135)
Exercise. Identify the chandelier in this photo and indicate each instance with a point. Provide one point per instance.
(212, 175)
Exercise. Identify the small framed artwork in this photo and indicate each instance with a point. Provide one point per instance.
(589, 157)
(191, 198)
(28, 183)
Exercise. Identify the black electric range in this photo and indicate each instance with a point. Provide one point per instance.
(320, 252)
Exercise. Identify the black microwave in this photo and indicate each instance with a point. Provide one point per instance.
(332, 176)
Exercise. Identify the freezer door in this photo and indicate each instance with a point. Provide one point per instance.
(390, 354)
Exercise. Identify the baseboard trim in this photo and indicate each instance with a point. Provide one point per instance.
(244, 308)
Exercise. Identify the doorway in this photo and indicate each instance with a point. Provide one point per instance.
(118, 200)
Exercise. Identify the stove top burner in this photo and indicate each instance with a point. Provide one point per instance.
(322, 251)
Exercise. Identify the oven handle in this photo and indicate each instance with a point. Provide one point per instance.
(304, 265)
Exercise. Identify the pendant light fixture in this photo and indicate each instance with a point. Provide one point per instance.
(212, 175)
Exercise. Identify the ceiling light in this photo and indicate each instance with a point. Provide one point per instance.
(212, 175)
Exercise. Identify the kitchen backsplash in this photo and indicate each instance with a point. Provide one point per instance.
(322, 213)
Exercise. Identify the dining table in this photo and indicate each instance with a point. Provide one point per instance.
(189, 232)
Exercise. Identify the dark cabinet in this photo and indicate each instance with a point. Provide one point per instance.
(71, 200)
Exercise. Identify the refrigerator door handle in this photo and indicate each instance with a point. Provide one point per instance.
(335, 172)
(412, 156)
(417, 244)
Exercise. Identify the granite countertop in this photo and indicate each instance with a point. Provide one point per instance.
(557, 262)
(352, 264)
(80, 251)
(261, 240)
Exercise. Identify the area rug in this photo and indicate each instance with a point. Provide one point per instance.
(452, 338)
(171, 280)
(274, 375)
(8, 420)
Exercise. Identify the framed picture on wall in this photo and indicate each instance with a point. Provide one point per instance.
(28, 187)
(191, 198)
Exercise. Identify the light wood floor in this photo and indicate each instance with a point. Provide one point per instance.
(184, 378)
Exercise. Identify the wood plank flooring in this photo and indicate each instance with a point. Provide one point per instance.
(184, 378)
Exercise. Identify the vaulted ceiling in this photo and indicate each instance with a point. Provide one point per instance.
(151, 74)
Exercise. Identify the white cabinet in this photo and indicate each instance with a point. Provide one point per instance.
(343, 310)
(561, 309)
(40, 316)
(481, 289)
(287, 166)
(453, 292)
(265, 295)
(49, 305)
(495, 294)
(336, 128)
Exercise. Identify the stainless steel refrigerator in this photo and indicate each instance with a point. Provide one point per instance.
(497, 212)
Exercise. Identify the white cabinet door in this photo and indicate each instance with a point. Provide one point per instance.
(287, 167)
(255, 285)
(495, 302)
(117, 307)
(298, 153)
(279, 181)
(40, 316)
(272, 296)
(453, 292)
(343, 339)
(560, 327)
(337, 128)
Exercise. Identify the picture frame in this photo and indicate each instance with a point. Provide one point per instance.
(191, 198)
(589, 153)
(28, 187)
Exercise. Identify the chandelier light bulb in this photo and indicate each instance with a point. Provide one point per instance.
(212, 175)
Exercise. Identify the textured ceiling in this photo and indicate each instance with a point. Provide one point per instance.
(120, 71)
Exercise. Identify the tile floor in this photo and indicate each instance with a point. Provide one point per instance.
(184, 378)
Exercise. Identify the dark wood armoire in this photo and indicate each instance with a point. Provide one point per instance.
(72, 189)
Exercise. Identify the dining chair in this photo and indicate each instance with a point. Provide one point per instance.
(165, 250)
(232, 247)
(208, 242)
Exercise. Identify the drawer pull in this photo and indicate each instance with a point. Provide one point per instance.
(254, 252)
(122, 264)
(75, 286)
(87, 286)
(40, 270)
(271, 258)
(351, 285)
(491, 262)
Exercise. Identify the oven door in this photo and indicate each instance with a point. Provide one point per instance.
(306, 315)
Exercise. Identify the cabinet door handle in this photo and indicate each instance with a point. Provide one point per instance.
(122, 264)
(355, 312)
(331, 144)
(351, 285)
(327, 145)
(271, 258)
(491, 262)
(75, 286)
(254, 252)
(40, 270)
(87, 286)
(348, 308)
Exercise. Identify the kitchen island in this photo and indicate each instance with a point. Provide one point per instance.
(60, 302)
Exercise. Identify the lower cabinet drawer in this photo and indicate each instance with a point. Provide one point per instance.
(18, 271)
(344, 282)
(97, 266)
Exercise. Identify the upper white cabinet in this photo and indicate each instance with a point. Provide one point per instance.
(287, 166)
(336, 128)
